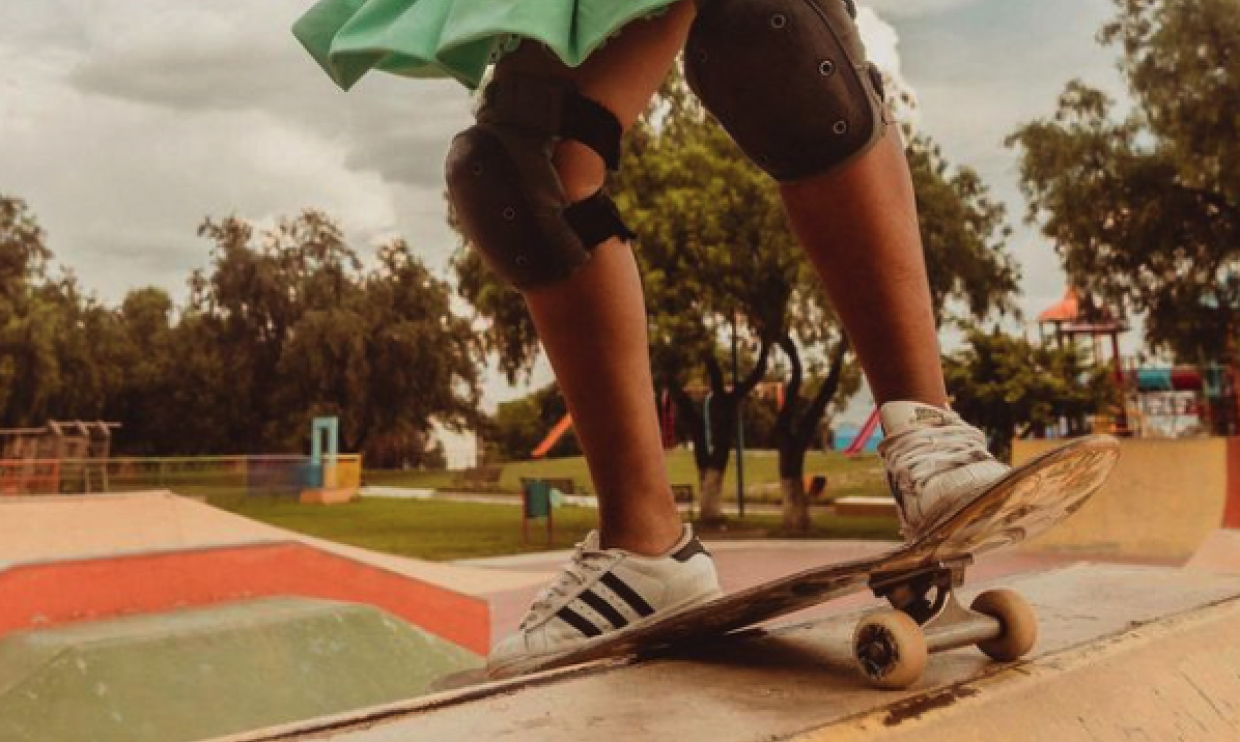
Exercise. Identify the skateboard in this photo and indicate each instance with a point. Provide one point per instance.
(918, 579)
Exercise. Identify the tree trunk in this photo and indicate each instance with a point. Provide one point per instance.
(712, 460)
(795, 430)
(712, 495)
(796, 504)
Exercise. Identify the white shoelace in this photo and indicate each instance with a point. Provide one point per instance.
(917, 456)
(586, 563)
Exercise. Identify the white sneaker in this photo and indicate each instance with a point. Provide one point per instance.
(936, 463)
(603, 592)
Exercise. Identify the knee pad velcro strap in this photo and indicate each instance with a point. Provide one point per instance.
(507, 194)
(789, 80)
(552, 107)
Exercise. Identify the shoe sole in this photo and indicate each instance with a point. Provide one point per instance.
(524, 665)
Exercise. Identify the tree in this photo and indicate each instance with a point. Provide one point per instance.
(422, 359)
(54, 342)
(1144, 210)
(1009, 387)
(295, 329)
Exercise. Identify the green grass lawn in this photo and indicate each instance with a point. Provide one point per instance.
(438, 530)
(846, 476)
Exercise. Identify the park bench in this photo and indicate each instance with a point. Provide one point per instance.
(482, 477)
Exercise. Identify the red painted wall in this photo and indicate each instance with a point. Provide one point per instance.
(50, 593)
(1232, 517)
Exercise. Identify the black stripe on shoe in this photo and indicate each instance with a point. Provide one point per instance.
(627, 594)
(578, 621)
(605, 609)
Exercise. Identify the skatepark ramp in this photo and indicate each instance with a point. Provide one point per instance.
(1125, 652)
(192, 674)
(67, 559)
(38, 594)
(149, 617)
(1162, 501)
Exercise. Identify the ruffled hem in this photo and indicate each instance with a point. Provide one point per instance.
(455, 38)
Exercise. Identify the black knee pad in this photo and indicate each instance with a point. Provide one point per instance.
(507, 193)
(789, 80)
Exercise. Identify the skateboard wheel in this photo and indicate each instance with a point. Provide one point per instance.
(890, 649)
(1016, 616)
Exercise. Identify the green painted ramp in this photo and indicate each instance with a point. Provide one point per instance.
(197, 674)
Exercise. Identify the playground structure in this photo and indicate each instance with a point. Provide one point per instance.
(1172, 402)
(1086, 325)
(34, 459)
(1158, 402)
(74, 459)
(325, 484)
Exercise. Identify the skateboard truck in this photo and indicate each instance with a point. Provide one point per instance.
(891, 645)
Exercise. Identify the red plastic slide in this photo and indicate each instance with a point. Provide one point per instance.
(553, 437)
(863, 435)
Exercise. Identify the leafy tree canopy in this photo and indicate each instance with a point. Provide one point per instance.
(1144, 207)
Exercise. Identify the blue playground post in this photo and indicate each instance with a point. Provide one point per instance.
(321, 428)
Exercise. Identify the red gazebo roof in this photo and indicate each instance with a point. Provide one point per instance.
(1066, 310)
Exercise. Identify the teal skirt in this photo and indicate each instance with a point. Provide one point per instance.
(455, 38)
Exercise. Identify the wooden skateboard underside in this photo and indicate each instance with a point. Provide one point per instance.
(1025, 503)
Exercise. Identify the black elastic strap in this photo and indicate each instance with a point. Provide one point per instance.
(596, 220)
(593, 125)
(552, 106)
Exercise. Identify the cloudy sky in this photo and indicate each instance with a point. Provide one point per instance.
(123, 123)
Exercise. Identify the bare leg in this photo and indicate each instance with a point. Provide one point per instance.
(859, 227)
(593, 326)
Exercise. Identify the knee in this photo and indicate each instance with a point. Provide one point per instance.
(826, 107)
(526, 180)
(580, 169)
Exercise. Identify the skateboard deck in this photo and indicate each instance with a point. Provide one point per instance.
(918, 578)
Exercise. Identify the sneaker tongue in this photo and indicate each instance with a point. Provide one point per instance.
(898, 417)
(591, 542)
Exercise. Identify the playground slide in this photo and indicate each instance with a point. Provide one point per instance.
(553, 437)
(863, 435)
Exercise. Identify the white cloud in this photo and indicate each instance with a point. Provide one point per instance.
(904, 9)
(882, 42)
(126, 123)
(882, 46)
